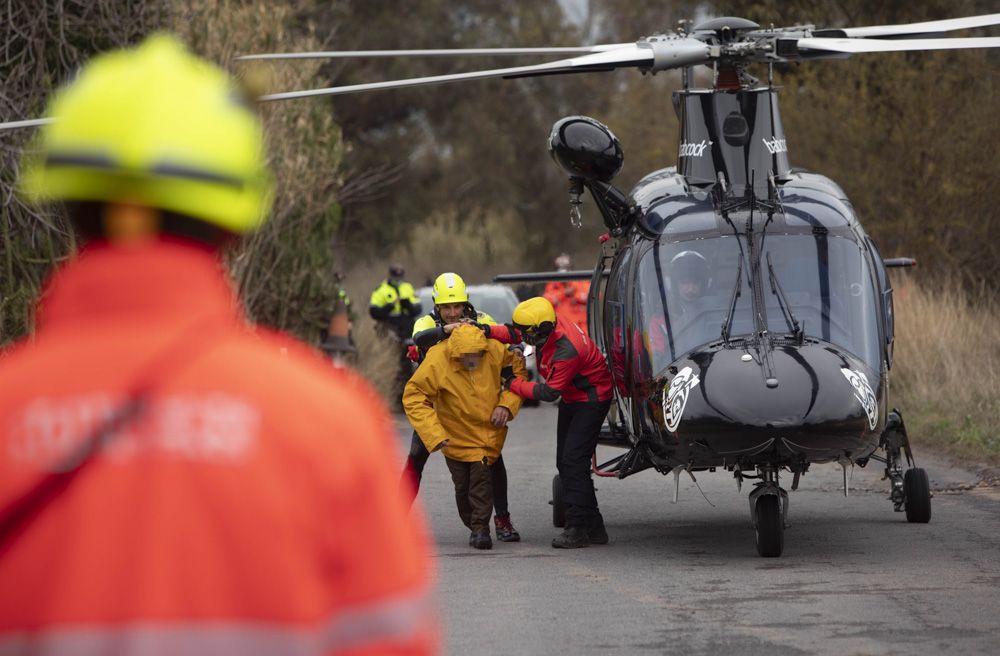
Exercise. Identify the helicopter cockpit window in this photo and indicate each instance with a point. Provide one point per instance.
(686, 289)
(828, 288)
(684, 293)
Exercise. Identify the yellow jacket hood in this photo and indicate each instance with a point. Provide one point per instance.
(443, 401)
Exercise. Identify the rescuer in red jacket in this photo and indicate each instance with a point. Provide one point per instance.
(576, 374)
(173, 480)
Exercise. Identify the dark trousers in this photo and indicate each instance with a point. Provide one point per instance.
(414, 470)
(473, 492)
(576, 438)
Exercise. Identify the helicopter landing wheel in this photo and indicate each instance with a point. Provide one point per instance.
(917, 491)
(769, 527)
(558, 503)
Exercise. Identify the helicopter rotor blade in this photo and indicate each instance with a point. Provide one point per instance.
(657, 54)
(453, 52)
(927, 27)
(27, 123)
(854, 46)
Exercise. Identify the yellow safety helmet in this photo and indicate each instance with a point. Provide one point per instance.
(159, 127)
(535, 318)
(449, 288)
(534, 312)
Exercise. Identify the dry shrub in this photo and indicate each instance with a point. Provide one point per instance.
(475, 250)
(946, 374)
(377, 356)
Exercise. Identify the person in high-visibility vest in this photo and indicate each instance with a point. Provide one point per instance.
(394, 305)
(173, 480)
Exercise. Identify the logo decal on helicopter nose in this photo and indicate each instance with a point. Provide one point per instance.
(863, 393)
(676, 397)
(693, 149)
(775, 145)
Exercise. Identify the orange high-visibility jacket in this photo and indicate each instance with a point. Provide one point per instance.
(569, 300)
(250, 505)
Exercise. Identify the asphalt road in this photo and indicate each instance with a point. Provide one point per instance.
(855, 577)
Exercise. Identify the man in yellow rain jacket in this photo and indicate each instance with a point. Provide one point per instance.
(456, 402)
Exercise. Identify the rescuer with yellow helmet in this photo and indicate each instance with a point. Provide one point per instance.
(451, 310)
(575, 373)
(154, 448)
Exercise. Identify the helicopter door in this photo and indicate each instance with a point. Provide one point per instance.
(614, 333)
(885, 293)
(595, 301)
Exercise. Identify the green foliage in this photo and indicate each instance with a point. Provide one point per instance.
(286, 271)
(473, 149)
(971, 435)
(44, 43)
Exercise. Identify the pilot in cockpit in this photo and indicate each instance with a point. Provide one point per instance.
(689, 275)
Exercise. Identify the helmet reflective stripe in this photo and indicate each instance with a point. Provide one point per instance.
(449, 288)
(166, 169)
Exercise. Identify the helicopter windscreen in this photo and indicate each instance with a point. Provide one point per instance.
(828, 288)
(686, 290)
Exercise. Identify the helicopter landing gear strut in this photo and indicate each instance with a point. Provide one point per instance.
(768, 512)
(910, 491)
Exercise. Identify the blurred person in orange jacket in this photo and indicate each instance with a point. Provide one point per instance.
(173, 480)
(568, 297)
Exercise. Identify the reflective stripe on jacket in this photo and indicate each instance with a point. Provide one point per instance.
(572, 366)
(443, 401)
(250, 506)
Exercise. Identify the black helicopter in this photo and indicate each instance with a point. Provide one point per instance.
(746, 315)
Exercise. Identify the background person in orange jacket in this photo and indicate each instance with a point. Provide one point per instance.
(568, 297)
(172, 480)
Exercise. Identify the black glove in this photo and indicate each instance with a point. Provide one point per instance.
(506, 376)
(514, 332)
(483, 327)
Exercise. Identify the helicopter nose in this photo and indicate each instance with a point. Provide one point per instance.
(806, 387)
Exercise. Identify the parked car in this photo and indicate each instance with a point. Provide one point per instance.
(498, 301)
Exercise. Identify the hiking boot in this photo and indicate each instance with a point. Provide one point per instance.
(505, 529)
(597, 534)
(481, 539)
(573, 537)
